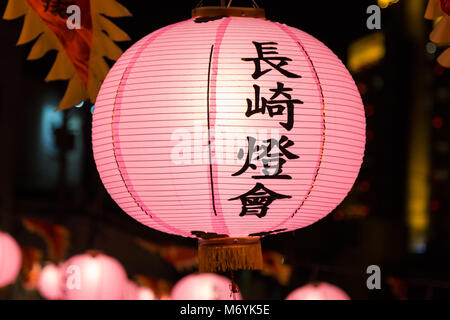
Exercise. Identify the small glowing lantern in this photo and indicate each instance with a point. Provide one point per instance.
(318, 291)
(228, 128)
(49, 284)
(204, 286)
(134, 292)
(144, 293)
(10, 259)
(93, 276)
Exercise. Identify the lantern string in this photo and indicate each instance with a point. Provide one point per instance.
(233, 286)
(314, 273)
(199, 3)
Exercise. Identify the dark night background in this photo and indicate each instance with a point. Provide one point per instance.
(44, 178)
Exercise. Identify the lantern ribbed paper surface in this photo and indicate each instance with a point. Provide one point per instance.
(93, 277)
(318, 291)
(204, 286)
(10, 259)
(228, 126)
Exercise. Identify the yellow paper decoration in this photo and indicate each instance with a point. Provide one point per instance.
(104, 33)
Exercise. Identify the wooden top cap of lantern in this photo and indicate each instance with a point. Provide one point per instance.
(228, 12)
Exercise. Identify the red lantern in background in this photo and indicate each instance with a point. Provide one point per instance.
(49, 284)
(228, 129)
(10, 259)
(204, 286)
(318, 291)
(93, 276)
(445, 6)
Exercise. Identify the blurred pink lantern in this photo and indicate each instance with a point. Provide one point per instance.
(134, 292)
(145, 293)
(130, 291)
(49, 284)
(318, 291)
(10, 259)
(93, 276)
(204, 286)
(228, 129)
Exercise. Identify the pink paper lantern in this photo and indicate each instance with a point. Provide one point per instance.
(130, 291)
(50, 284)
(10, 259)
(93, 277)
(318, 291)
(236, 127)
(204, 286)
(145, 294)
(134, 292)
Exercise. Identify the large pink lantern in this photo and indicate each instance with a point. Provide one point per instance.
(204, 286)
(50, 284)
(10, 259)
(228, 129)
(93, 276)
(318, 291)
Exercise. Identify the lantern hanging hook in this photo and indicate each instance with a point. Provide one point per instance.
(226, 11)
(255, 5)
(314, 273)
(222, 3)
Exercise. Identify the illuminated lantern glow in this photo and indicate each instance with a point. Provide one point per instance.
(204, 286)
(93, 276)
(49, 284)
(134, 292)
(318, 291)
(228, 129)
(10, 259)
(145, 294)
